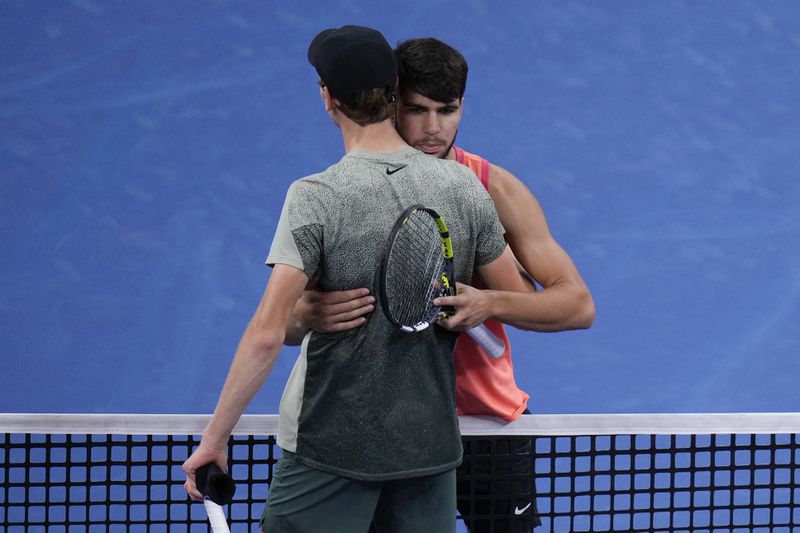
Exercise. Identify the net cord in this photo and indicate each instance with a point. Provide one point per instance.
(537, 424)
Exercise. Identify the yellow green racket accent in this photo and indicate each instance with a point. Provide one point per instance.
(418, 268)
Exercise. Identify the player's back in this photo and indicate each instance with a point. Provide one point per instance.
(340, 220)
(360, 197)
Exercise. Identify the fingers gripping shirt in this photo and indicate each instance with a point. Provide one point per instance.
(373, 402)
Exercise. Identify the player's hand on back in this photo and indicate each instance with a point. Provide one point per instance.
(471, 307)
(334, 311)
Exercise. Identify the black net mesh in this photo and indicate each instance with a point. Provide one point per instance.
(120, 482)
(659, 483)
(653, 483)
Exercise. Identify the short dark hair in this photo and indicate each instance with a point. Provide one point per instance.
(431, 68)
(370, 106)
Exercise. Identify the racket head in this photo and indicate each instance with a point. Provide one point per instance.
(417, 267)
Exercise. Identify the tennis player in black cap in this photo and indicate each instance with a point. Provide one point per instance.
(368, 424)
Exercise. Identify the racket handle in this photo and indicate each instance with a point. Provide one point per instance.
(491, 344)
(216, 516)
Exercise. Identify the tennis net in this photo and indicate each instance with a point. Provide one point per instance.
(648, 472)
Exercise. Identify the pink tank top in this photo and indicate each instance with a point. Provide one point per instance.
(485, 386)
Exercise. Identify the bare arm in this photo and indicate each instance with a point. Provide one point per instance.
(473, 306)
(252, 363)
(563, 303)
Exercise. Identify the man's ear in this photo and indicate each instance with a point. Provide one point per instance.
(330, 102)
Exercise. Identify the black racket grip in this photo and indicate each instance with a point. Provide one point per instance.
(215, 484)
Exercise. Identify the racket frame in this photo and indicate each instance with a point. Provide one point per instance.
(446, 277)
(492, 345)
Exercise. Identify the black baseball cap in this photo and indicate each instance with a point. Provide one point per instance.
(352, 59)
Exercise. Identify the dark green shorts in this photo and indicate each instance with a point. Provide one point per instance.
(303, 499)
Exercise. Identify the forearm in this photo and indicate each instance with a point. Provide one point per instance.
(257, 351)
(254, 359)
(560, 307)
(250, 368)
(328, 312)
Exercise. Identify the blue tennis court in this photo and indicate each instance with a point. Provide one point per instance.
(145, 150)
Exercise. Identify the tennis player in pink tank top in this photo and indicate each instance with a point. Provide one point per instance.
(432, 81)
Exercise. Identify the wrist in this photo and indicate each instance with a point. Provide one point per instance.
(214, 440)
(492, 300)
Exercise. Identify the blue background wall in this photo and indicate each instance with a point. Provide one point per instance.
(145, 149)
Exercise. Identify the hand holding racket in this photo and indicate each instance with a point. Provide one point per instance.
(217, 489)
(469, 306)
(417, 268)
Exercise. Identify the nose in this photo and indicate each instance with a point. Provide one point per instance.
(431, 124)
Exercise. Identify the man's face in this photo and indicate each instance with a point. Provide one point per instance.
(428, 125)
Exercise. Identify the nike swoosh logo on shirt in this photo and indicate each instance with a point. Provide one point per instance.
(390, 172)
(517, 510)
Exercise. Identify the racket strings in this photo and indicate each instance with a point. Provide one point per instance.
(414, 269)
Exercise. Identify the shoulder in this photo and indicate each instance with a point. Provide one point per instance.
(315, 194)
(307, 185)
(447, 167)
(464, 157)
(336, 171)
(330, 179)
(500, 176)
(518, 208)
(503, 184)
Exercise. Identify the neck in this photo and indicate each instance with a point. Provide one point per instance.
(380, 137)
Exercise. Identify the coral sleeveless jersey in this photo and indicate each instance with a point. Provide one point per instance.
(485, 386)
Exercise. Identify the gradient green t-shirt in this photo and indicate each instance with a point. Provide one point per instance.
(375, 403)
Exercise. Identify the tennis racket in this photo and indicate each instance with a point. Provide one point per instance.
(417, 268)
(217, 489)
